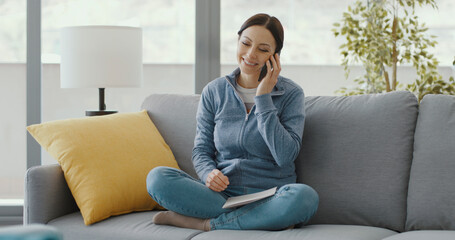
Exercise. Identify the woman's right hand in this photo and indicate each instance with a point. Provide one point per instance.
(217, 181)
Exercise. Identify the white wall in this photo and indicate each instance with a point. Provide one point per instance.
(61, 103)
(13, 136)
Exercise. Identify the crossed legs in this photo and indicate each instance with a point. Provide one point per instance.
(193, 205)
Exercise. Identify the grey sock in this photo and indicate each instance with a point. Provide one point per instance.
(178, 220)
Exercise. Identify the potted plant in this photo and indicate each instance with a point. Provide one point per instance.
(382, 34)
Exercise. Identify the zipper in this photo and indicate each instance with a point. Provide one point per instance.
(242, 129)
(248, 114)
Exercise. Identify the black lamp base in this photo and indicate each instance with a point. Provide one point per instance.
(102, 111)
(99, 113)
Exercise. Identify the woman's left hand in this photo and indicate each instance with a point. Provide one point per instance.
(271, 78)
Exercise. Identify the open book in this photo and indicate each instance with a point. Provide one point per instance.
(248, 198)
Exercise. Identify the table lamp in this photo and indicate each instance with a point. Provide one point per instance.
(101, 57)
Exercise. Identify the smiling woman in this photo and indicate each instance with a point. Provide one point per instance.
(248, 135)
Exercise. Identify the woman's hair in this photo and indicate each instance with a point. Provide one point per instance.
(269, 22)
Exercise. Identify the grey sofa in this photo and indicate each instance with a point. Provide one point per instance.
(384, 168)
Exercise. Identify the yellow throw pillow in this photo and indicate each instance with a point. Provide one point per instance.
(106, 160)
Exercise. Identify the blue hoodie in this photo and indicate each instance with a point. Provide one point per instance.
(255, 150)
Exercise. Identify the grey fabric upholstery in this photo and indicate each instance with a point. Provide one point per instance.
(131, 226)
(175, 118)
(356, 154)
(47, 195)
(311, 232)
(424, 235)
(431, 199)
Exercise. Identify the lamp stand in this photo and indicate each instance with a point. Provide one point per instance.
(102, 106)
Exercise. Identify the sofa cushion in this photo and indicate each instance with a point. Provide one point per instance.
(431, 194)
(175, 117)
(133, 226)
(311, 232)
(106, 160)
(356, 154)
(424, 235)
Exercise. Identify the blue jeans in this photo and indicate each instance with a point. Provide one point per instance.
(179, 192)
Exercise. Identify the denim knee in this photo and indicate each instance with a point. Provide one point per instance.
(310, 197)
(155, 179)
(305, 201)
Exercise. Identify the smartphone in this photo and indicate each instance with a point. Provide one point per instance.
(264, 69)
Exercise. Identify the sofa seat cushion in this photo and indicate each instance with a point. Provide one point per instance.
(311, 232)
(133, 226)
(424, 235)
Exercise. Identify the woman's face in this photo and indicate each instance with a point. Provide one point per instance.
(254, 48)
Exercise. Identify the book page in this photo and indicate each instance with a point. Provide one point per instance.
(248, 198)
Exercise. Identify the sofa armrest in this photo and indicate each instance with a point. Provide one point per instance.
(47, 195)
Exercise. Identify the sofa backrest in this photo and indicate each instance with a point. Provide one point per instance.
(175, 117)
(356, 152)
(431, 197)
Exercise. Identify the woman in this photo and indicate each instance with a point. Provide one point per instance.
(249, 132)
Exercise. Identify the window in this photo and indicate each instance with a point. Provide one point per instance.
(168, 25)
(308, 36)
(12, 31)
(441, 24)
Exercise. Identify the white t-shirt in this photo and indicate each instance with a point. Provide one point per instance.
(247, 95)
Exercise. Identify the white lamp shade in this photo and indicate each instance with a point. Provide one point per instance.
(100, 57)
